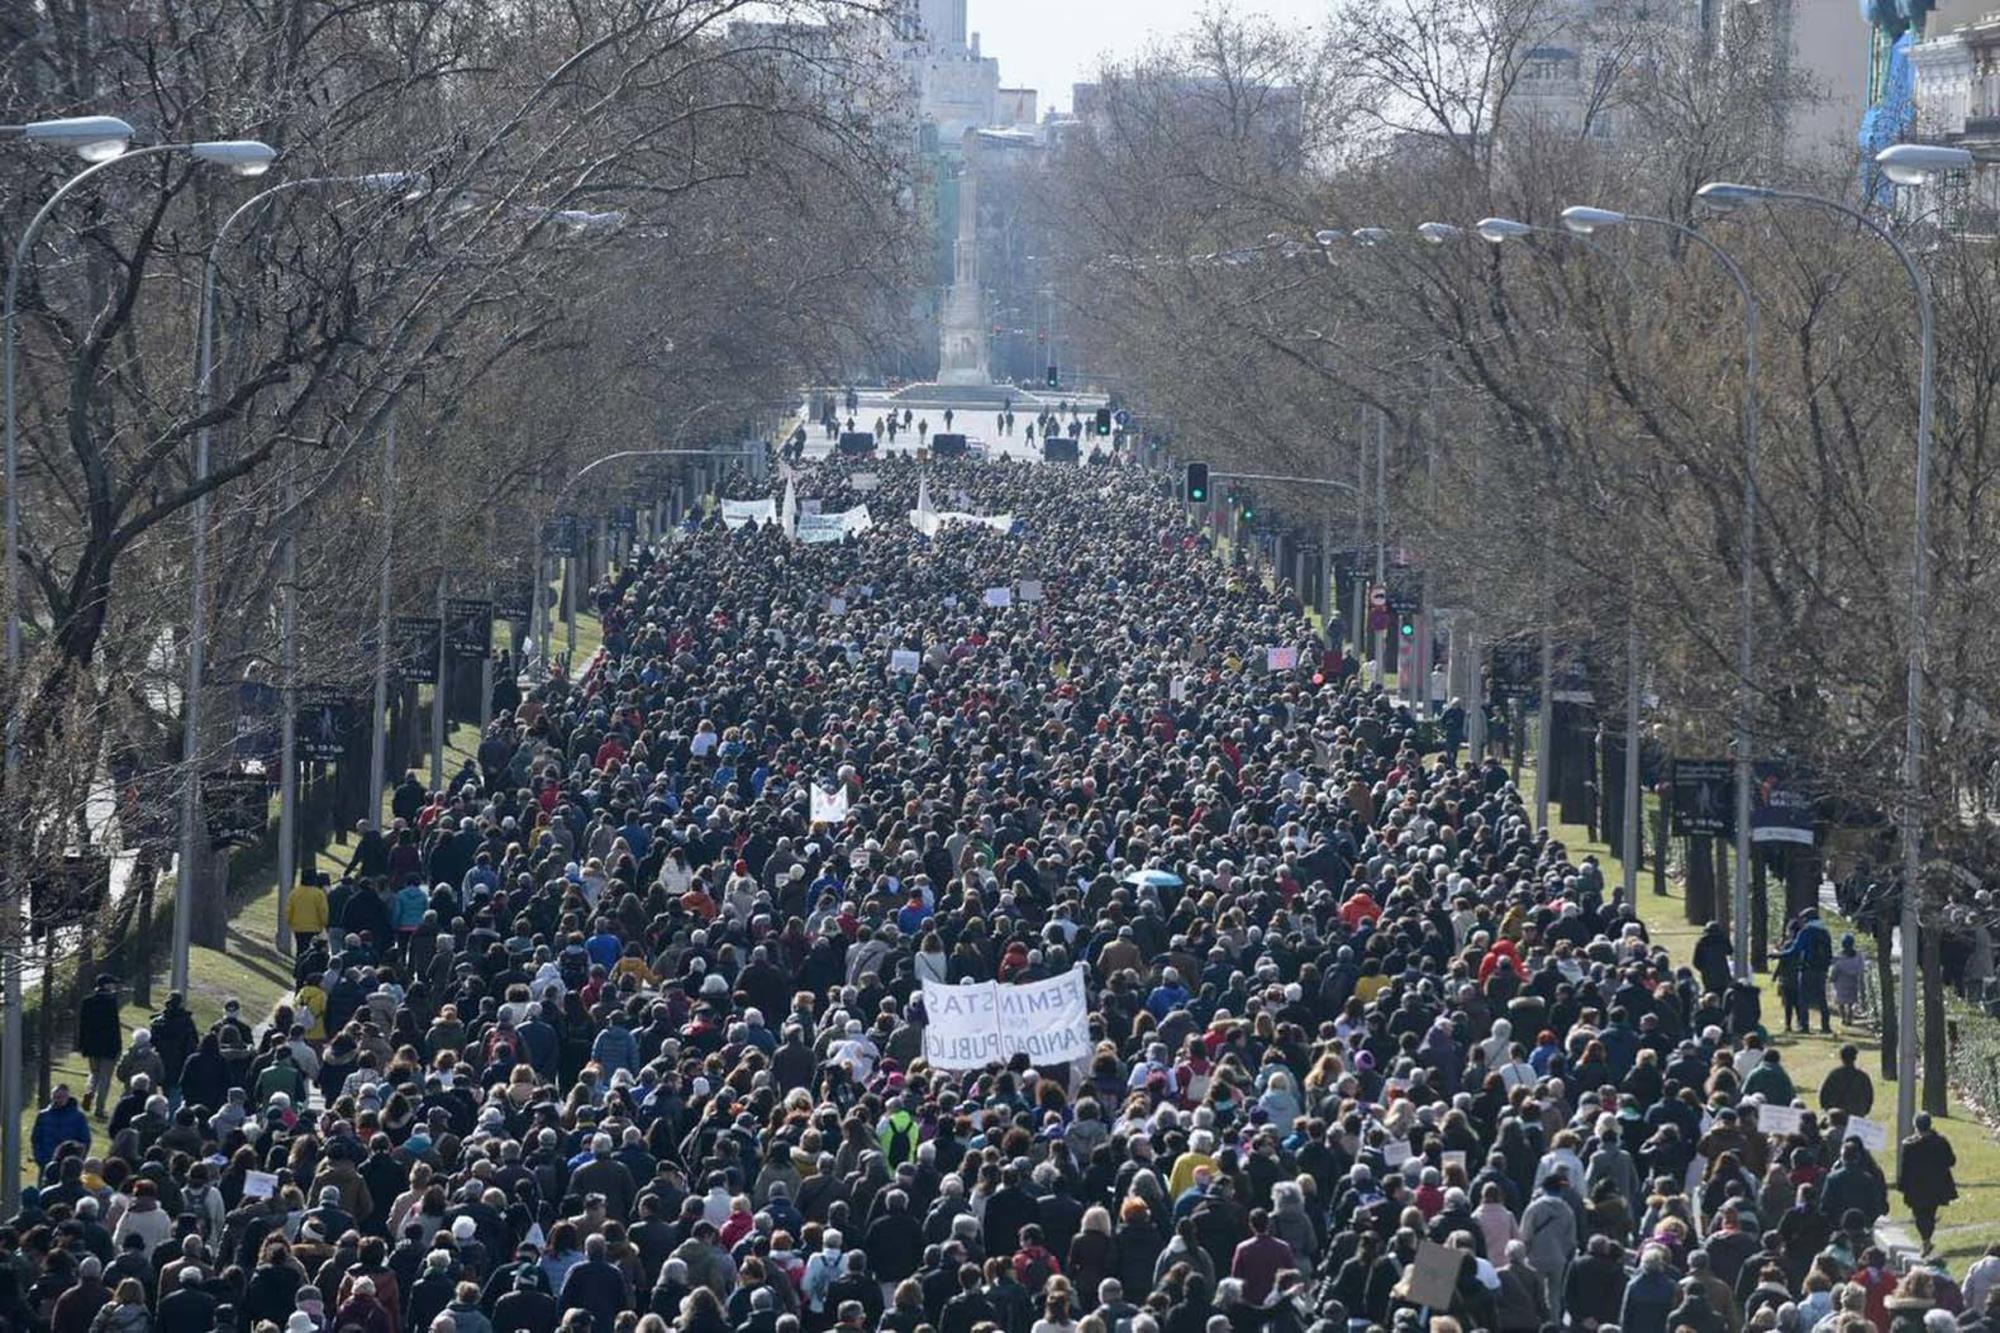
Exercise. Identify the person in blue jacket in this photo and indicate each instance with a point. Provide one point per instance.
(61, 1121)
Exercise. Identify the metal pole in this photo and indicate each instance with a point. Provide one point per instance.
(1632, 685)
(1475, 694)
(288, 751)
(437, 691)
(1545, 713)
(1361, 633)
(184, 874)
(538, 608)
(1382, 514)
(378, 747)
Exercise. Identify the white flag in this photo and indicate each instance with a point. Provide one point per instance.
(788, 513)
(924, 493)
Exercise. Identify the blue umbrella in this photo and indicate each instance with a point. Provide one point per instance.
(1157, 879)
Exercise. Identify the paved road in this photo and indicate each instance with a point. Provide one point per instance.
(974, 416)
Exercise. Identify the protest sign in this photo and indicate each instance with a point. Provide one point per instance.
(1395, 1152)
(999, 596)
(259, 1184)
(1874, 1135)
(1778, 1121)
(1433, 1279)
(864, 482)
(829, 807)
(1031, 590)
(836, 606)
(984, 1022)
(905, 660)
(814, 528)
(736, 513)
(1281, 659)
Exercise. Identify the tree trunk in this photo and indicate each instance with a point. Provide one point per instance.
(1803, 868)
(1661, 822)
(1936, 1059)
(1885, 990)
(1700, 881)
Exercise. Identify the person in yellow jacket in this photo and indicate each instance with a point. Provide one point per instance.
(309, 1010)
(305, 913)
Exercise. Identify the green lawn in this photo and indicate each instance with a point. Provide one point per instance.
(1968, 1226)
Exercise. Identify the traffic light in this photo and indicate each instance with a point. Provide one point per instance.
(1055, 380)
(1249, 510)
(1197, 483)
(1103, 421)
(1409, 629)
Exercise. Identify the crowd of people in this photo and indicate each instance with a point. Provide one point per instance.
(611, 1036)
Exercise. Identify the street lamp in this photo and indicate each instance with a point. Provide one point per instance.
(92, 138)
(1585, 221)
(385, 182)
(1732, 195)
(1916, 163)
(100, 140)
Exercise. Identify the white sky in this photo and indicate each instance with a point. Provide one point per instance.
(1050, 44)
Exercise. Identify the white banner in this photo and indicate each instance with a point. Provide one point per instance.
(834, 527)
(1874, 1135)
(1031, 590)
(735, 513)
(863, 481)
(1778, 1121)
(928, 522)
(1002, 596)
(809, 506)
(829, 807)
(982, 1023)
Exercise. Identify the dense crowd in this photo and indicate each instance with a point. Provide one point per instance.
(610, 1035)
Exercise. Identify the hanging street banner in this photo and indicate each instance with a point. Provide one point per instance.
(326, 718)
(514, 599)
(74, 893)
(1781, 805)
(1704, 798)
(985, 1023)
(1517, 670)
(469, 627)
(416, 640)
(236, 808)
(257, 730)
(1406, 591)
(559, 535)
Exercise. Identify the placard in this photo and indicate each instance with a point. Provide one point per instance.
(1451, 1157)
(1395, 1152)
(829, 807)
(1433, 1279)
(1778, 1121)
(863, 482)
(1874, 1135)
(836, 606)
(1030, 590)
(999, 597)
(259, 1184)
(905, 661)
(1281, 659)
(736, 513)
(984, 1022)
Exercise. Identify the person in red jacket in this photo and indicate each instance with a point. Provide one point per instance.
(1258, 1260)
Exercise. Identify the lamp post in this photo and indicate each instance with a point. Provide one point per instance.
(100, 141)
(1903, 166)
(288, 592)
(1587, 221)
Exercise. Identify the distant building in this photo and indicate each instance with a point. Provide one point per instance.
(1270, 116)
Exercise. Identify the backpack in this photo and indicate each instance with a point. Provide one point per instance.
(1034, 1267)
(899, 1140)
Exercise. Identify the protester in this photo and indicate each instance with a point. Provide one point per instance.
(628, 1023)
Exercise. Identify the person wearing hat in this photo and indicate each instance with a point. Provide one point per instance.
(100, 1036)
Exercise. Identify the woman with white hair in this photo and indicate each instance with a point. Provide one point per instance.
(1281, 1099)
(1292, 1224)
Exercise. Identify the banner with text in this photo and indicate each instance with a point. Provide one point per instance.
(984, 1022)
(735, 513)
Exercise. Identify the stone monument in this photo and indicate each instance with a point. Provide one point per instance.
(962, 314)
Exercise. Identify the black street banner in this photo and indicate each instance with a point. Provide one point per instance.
(257, 722)
(326, 719)
(236, 808)
(621, 520)
(559, 535)
(1704, 798)
(1517, 670)
(74, 893)
(469, 628)
(1406, 591)
(514, 599)
(1781, 805)
(417, 649)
